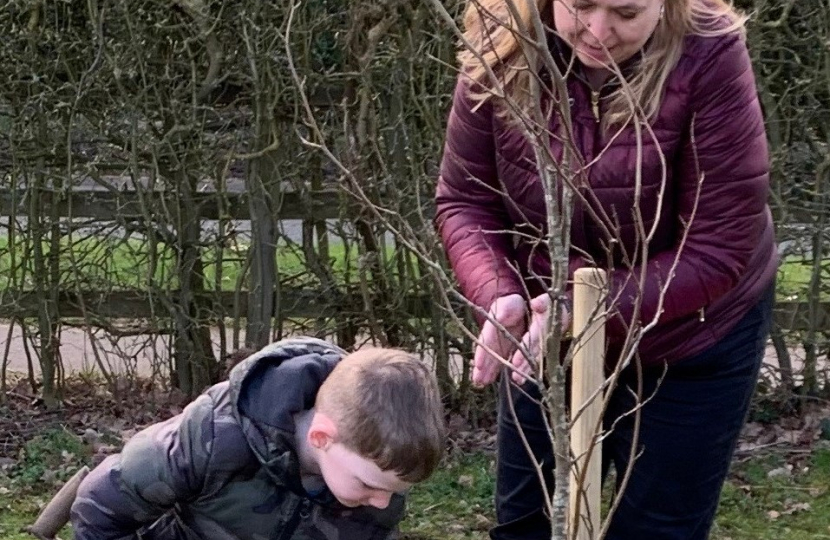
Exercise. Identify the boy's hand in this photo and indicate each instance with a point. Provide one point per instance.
(493, 346)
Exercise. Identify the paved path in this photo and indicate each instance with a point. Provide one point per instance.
(137, 354)
(146, 354)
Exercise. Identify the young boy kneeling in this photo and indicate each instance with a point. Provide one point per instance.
(303, 441)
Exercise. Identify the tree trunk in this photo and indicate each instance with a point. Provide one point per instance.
(196, 365)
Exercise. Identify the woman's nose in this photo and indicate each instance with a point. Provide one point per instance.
(599, 26)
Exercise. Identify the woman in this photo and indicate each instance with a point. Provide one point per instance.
(713, 251)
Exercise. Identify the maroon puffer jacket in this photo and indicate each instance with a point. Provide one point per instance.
(489, 188)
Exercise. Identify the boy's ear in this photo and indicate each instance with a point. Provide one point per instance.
(322, 432)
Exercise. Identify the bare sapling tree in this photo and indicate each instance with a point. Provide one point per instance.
(564, 179)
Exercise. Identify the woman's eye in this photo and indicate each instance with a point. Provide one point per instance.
(628, 15)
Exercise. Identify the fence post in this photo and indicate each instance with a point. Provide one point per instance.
(586, 402)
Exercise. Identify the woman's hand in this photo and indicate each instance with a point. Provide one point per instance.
(493, 345)
(539, 313)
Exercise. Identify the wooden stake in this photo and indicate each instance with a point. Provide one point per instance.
(587, 377)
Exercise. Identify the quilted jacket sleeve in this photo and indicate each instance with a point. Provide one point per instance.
(162, 465)
(722, 177)
(470, 211)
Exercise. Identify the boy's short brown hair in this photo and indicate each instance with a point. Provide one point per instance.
(388, 409)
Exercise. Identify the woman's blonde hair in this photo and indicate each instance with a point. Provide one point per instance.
(491, 33)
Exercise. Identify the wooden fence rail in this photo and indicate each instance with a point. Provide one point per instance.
(135, 304)
(113, 205)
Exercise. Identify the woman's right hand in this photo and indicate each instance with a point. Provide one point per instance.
(493, 346)
(540, 308)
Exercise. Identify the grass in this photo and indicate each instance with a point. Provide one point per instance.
(456, 503)
(797, 507)
(794, 279)
(20, 510)
(53, 455)
(46, 461)
(133, 263)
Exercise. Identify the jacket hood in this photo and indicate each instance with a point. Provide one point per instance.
(268, 388)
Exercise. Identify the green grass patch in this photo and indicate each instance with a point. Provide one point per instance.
(19, 510)
(457, 502)
(44, 464)
(794, 276)
(135, 264)
(51, 457)
(792, 505)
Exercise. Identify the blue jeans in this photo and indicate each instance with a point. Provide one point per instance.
(687, 436)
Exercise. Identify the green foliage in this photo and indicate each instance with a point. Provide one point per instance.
(50, 457)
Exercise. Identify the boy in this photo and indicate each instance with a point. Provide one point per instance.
(303, 442)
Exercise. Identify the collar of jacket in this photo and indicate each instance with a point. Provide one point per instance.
(268, 388)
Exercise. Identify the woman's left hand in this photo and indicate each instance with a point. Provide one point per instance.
(539, 313)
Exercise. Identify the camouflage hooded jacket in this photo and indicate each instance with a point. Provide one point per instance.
(226, 467)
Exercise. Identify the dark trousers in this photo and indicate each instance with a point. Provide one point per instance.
(687, 436)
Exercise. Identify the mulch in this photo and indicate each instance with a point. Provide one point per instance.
(86, 405)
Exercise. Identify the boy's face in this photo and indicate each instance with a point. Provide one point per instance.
(357, 481)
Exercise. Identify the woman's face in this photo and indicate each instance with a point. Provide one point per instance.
(591, 27)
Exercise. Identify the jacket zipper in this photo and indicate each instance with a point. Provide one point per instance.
(301, 511)
(595, 104)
